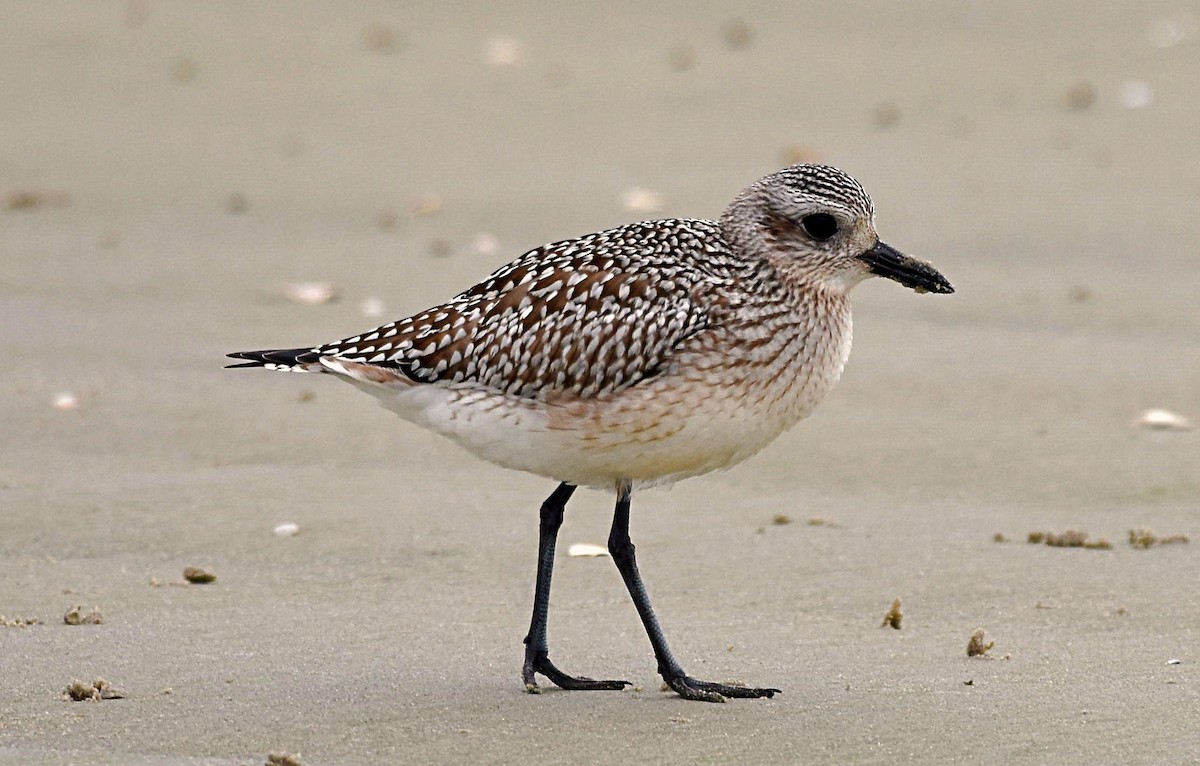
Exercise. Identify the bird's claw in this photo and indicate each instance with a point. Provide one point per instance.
(539, 662)
(709, 691)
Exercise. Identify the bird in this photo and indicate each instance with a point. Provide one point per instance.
(635, 357)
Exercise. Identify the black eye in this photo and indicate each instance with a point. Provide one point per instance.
(820, 226)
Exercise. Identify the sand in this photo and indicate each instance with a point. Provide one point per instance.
(168, 168)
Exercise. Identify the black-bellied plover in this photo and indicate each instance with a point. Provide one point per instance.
(634, 357)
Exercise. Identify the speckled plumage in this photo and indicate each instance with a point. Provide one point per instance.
(644, 354)
(636, 356)
(584, 317)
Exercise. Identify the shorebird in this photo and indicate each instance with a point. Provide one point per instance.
(634, 357)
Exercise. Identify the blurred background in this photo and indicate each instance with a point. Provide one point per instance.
(179, 180)
(182, 180)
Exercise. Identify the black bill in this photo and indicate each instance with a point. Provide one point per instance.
(887, 261)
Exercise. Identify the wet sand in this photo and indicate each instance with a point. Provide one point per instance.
(168, 168)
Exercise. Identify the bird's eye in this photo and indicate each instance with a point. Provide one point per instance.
(820, 226)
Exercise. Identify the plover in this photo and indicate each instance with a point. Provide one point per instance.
(635, 357)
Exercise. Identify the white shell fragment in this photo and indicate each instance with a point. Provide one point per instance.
(485, 244)
(287, 529)
(637, 200)
(1163, 420)
(66, 401)
(373, 307)
(1136, 94)
(310, 293)
(1174, 661)
(587, 550)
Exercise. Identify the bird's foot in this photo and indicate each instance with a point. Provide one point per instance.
(708, 691)
(539, 662)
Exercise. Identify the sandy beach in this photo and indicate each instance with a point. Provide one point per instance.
(168, 169)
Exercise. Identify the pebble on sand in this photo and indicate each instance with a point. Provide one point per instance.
(198, 576)
(737, 34)
(29, 199)
(1080, 95)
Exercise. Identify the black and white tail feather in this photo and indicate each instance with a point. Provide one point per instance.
(288, 359)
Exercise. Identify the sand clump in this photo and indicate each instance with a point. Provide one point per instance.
(1072, 538)
(979, 644)
(893, 617)
(1142, 539)
(19, 622)
(75, 616)
(95, 691)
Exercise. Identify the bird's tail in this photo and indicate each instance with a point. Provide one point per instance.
(288, 359)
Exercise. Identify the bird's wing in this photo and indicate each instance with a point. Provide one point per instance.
(580, 317)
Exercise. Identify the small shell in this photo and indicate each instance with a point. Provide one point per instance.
(66, 400)
(485, 244)
(637, 200)
(1136, 94)
(587, 550)
(287, 529)
(373, 308)
(1163, 420)
(310, 293)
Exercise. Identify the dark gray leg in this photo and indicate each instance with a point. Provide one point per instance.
(622, 550)
(536, 648)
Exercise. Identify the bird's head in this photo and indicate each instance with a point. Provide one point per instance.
(816, 224)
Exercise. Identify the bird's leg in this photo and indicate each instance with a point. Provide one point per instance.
(536, 649)
(622, 550)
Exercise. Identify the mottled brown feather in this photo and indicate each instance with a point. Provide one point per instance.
(581, 317)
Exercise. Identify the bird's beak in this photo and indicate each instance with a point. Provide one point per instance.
(887, 261)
